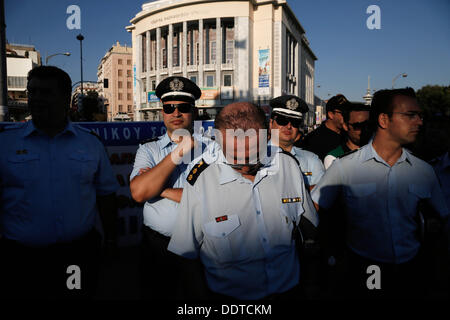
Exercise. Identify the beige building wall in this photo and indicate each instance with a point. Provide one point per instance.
(255, 29)
(117, 68)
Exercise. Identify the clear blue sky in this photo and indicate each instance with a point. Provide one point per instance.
(414, 38)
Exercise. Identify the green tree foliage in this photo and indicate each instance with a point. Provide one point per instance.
(89, 109)
(90, 106)
(434, 139)
(435, 100)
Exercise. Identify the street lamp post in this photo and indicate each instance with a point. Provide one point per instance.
(52, 55)
(404, 75)
(81, 38)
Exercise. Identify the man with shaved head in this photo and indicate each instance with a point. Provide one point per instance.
(237, 213)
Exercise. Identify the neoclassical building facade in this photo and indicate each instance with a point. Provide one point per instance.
(234, 50)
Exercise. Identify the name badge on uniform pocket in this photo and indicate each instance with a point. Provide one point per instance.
(291, 200)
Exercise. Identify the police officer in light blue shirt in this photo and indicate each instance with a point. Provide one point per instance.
(159, 173)
(160, 212)
(55, 177)
(380, 186)
(238, 213)
(285, 121)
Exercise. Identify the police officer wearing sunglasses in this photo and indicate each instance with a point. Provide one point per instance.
(159, 173)
(285, 121)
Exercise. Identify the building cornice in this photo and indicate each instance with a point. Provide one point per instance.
(306, 46)
(172, 5)
(292, 15)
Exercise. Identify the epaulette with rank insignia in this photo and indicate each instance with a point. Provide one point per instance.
(347, 153)
(148, 140)
(196, 171)
(291, 155)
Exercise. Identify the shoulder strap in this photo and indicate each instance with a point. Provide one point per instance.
(148, 140)
(346, 154)
(291, 155)
(196, 171)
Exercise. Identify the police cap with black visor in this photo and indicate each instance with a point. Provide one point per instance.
(178, 89)
(288, 108)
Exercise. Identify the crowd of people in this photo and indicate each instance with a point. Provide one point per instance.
(259, 211)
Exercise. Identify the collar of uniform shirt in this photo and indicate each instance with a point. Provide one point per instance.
(31, 129)
(368, 153)
(228, 174)
(164, 141)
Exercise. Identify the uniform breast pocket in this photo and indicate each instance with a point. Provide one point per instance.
(288, 213)
(84, 166)
(359, 198)
(22, 167)
(418, 192)
(219, 234)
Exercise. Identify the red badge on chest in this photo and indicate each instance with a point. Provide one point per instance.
(222, 218)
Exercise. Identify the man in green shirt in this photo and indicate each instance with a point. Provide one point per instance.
(355, 126)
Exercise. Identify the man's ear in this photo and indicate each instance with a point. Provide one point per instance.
(330, 115)
(383, 120)
(345, 126)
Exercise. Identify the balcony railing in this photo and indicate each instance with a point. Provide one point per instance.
(192, 68)
(227, 66)
(177, 69)
(209, 67)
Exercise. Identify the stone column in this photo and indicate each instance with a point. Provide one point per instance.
(184, 50)
(147, 80)
(242, 62)
(218, 52)
(158, 55)
(169, 49)
(201, 53)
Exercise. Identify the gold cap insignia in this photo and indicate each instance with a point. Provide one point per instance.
(176, 85)
(292, 104)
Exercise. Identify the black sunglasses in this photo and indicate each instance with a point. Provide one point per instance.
(182, 107)
(283, 121)
(359, 125)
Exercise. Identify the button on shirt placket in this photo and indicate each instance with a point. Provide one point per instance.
(260, 220)
(55, 187)
(264, 239)
(393, 209)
